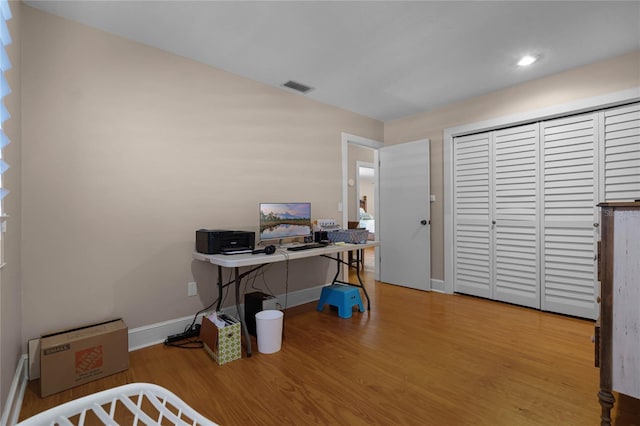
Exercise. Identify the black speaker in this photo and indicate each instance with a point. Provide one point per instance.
(254, 303)
(320, 236)
(266, 250)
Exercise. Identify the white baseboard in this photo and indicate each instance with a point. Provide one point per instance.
(139, 338)
(13, 404)
(154, 334)
(300, 297)
(437, 285)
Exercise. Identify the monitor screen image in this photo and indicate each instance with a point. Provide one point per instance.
(284, 220)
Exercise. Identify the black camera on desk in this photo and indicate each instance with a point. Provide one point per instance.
(215, 241)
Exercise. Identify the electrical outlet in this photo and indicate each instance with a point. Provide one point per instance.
(192, 289)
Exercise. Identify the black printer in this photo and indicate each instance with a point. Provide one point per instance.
(214, 241)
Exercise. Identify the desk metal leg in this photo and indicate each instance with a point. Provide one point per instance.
(359, 258)
(338, 260)
(245, 330)
(220, 285)
(360, 284)
(364, 290)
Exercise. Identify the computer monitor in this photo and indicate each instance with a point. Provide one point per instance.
(285, 220)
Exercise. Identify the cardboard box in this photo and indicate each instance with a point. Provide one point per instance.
(222, 343)
(73, 357)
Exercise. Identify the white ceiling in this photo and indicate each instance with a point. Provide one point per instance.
(381, 59)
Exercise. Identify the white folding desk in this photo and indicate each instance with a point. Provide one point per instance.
(257, 261)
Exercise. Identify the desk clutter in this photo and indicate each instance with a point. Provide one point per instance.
(351, 236)
(218, 241)
(331, 231)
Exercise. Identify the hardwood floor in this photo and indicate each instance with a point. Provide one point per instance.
(417, 358)
(369, 259)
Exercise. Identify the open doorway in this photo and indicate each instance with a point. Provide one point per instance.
(366, 182)
(360, 189)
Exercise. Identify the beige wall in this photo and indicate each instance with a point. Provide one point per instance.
(616, 74)
(11, 348)
(127, 150)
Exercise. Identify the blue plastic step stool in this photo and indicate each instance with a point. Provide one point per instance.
(344, 297)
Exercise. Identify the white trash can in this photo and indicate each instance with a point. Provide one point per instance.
(269, 331)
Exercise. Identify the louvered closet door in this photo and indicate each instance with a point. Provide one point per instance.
(515, 217)
(568, 199)
(621, 157)
(472, 239)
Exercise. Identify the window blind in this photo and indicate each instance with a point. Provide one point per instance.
(5, 64)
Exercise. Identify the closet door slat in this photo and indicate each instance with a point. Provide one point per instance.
(472, 237)
(515, 231)
(622, 153)
(569, 197)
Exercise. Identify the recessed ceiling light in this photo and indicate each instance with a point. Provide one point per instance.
(527, 60)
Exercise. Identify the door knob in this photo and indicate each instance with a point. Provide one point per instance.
(423, 222)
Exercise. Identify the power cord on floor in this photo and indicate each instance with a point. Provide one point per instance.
(178, 340)
(190, 344)
(192, 330)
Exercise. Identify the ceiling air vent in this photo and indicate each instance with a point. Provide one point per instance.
(299, 87)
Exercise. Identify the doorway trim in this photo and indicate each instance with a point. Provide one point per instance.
(347, 139)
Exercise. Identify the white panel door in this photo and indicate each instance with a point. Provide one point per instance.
(569, 198)
(472, 215)
(621, 157)
(515, 216)
(404, 222)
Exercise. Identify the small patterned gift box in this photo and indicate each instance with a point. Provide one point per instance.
(222, 343)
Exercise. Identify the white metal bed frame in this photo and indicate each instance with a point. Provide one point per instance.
(167, 408)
